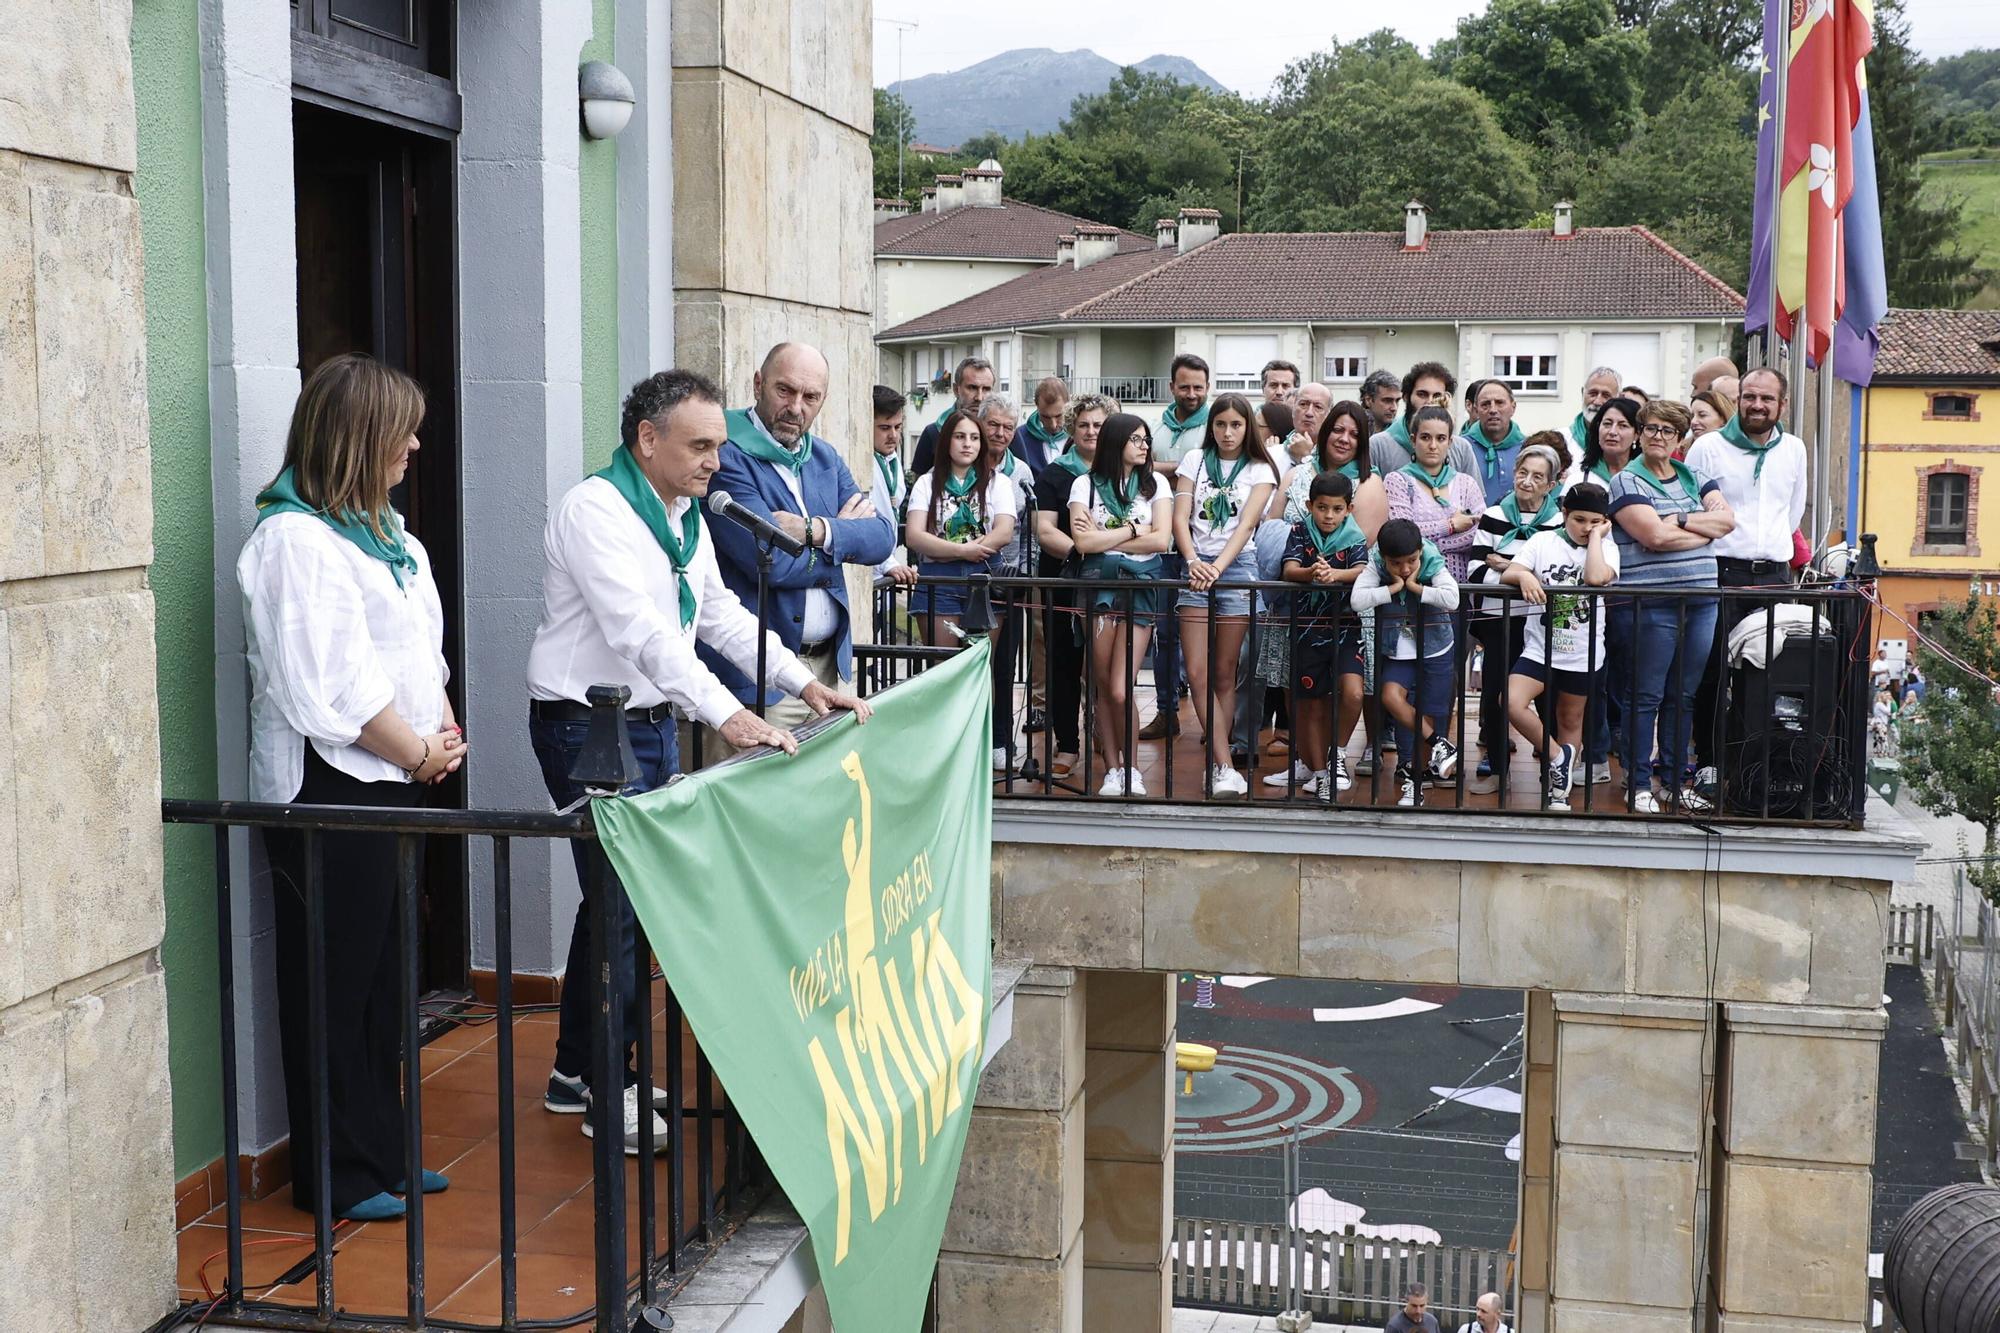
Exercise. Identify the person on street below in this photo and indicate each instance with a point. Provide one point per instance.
(631, 588)
(1221, 490)
(1121, 520)
(345, 632)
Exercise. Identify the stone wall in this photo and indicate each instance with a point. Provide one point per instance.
(773, 104)
(86, 1176)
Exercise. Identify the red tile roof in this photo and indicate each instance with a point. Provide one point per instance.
(1012, 231)
(1330, 277)
(1041, 297)
(1940, 345)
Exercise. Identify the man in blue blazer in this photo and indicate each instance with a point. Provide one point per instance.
(773, 464)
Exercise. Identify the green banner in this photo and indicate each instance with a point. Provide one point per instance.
(825, 921)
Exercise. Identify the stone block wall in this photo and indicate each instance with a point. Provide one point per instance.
(86, 1187)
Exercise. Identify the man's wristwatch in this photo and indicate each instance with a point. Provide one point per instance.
(1682, 519)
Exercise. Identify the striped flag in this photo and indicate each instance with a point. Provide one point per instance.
(1827, 262)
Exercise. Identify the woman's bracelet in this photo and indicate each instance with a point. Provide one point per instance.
(411, 773)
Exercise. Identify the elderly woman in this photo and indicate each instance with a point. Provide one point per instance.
(1530, 507)
(1664, 516)
(345, 633)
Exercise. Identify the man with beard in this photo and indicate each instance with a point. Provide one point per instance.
(1382, 399)
(775, 466)
(970, 384)
(1428, 384)
(1599, 388)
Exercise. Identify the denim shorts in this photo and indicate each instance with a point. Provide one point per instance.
(1225, 601)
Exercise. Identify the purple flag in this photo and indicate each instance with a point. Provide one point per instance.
(1757, 307)
(1854, 338)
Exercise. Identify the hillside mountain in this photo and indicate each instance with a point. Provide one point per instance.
(1020, 92)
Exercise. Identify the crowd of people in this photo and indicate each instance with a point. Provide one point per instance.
(1335, 566)
(1295, 555)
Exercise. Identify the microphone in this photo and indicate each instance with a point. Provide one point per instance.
(723, 505)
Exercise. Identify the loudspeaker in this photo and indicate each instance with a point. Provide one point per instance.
(1788, 751)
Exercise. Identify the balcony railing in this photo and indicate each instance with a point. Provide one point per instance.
(704, 1139)
(1125, 389)
(1786, 745)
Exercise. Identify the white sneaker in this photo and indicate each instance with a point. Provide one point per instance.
(632, 1126)
(1600, 773)
(1226, 781)
(1342, 779)
(1323, 786)
(1134, 784)
(1114, 783)
(1282, 776)
(1410, 789)
(1694, 803)
(999, 759)
(1645, 803)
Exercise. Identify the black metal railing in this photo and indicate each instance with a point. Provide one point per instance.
(623, 1299)
(1784, 742)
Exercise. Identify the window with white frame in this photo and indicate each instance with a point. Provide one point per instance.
(1066, 357)
(1239, 361)
(1526, 362)
(1344, 359)
(1003, 366)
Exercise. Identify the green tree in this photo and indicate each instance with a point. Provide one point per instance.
(1686, 174)
(1951, 757)
(1551, 68)
(1921, 249)
(895, 124)
(1357, 131)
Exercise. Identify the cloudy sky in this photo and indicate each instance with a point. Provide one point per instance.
(1244, 43)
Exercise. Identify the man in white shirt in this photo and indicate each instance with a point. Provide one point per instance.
(631, 586)
(1486, 1317)
(1762, 472)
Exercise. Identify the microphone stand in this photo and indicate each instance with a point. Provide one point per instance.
(763, 614)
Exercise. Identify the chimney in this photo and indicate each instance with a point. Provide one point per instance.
(1066, 250)
(888, 210)
(1565, 219)
(1414, 225)
(1094, 242)
(1198, 227)
(982, 185)
(951, 193)
(1164, 232)
(929, 204)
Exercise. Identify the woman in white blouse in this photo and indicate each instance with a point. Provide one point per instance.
(347, 677)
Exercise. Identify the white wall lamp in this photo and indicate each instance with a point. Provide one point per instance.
(607, 98)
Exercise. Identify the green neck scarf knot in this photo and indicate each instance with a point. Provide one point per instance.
(1732, 431)
(1328, 544)
(382, 539)
(1510, 509)
(753, 437)
(627, 479)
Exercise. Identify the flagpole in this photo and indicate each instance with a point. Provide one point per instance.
(1768, 347)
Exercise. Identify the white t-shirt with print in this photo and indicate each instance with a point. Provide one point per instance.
(1084, 493)
(1001, 498)
(1575, 624)
(1209, 537)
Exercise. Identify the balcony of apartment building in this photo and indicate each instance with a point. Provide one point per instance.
(1701, 984)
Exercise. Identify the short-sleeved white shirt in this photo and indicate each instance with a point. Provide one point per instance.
(1573, 623)
(1001, 498)
(1209, 537)
(1084, 492)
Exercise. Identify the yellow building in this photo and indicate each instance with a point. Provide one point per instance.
(1930, 429)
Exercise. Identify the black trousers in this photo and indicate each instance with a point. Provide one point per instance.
(364, 1029)
(1503, 639)
(1708, 696)
(1064, 631)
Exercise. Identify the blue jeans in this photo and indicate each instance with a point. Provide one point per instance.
(1167, 675)
(1669, 642)
(1607, 712)
(556, 745)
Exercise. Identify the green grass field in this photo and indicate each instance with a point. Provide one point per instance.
(1977, 182)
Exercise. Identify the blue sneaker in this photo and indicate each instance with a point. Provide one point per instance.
(376, 1208)
(566, 1095)
(434, 1183)
(1560, 778)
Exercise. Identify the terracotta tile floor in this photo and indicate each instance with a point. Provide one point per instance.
(554, 1220)
(1523, 790)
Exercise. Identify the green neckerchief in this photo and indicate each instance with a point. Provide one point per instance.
(1512, 440)
(1070, 461)
(1351, 469)
(1579, 430)
(626, 478)
(1219, 508)
(282, 497)
(1427, 567)
(1049, 438)
(1510, 509)
(1682, 473)
(1171, 422)
(1415, 471)
(1329, 544)
(1009, 464)
(1118, 504)
(964, 518)
(754, 438)
(1602, 470)
(892, 471)
(1732, 431)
